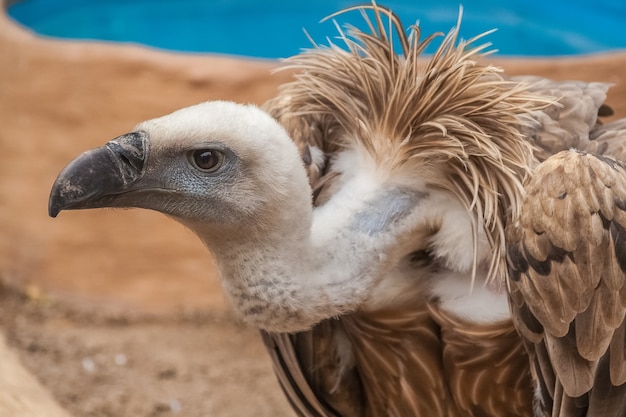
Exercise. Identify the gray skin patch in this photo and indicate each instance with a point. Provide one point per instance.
(388, 208)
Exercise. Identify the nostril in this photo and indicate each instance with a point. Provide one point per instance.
(125, 159)
(130, 151)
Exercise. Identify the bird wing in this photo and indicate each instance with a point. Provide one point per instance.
(290, 375)
(569, 121)
(608, 139)
(339, 367)
(308, 366)
(567, 276)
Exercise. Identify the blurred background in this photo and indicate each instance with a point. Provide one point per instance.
(275, 28)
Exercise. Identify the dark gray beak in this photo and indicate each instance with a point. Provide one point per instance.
(96, 177)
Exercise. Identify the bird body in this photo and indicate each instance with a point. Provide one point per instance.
(412, 238)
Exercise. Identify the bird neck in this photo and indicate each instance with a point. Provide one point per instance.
(310, 266)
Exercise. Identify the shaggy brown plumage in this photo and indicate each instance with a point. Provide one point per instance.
(448, 110)
(488, 132)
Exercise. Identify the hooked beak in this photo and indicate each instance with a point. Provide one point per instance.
(98, 176)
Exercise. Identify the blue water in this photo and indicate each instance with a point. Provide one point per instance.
(275, 28)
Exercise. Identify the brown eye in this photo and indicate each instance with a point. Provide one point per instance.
(207, 160)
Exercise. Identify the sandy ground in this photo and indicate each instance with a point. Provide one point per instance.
(119, 313)
(111, 365)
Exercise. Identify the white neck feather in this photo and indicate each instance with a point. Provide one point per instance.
(307, 266)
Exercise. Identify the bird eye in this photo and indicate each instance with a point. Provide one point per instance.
(207, 160)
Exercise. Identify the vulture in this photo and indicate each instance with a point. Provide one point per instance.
(413, 235)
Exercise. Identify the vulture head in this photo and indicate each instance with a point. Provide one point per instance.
(217, 167)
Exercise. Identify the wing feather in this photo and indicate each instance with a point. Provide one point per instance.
(607, 139)
(618, 356)
(291, 377)
(568, 124)
(567, 281)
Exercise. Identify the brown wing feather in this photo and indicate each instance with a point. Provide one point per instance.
(485, 367)
(310, 369)
(398, 356)
(365, 364)
(291, 378)
(567, 276)
(609, 139)
(565, 124)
